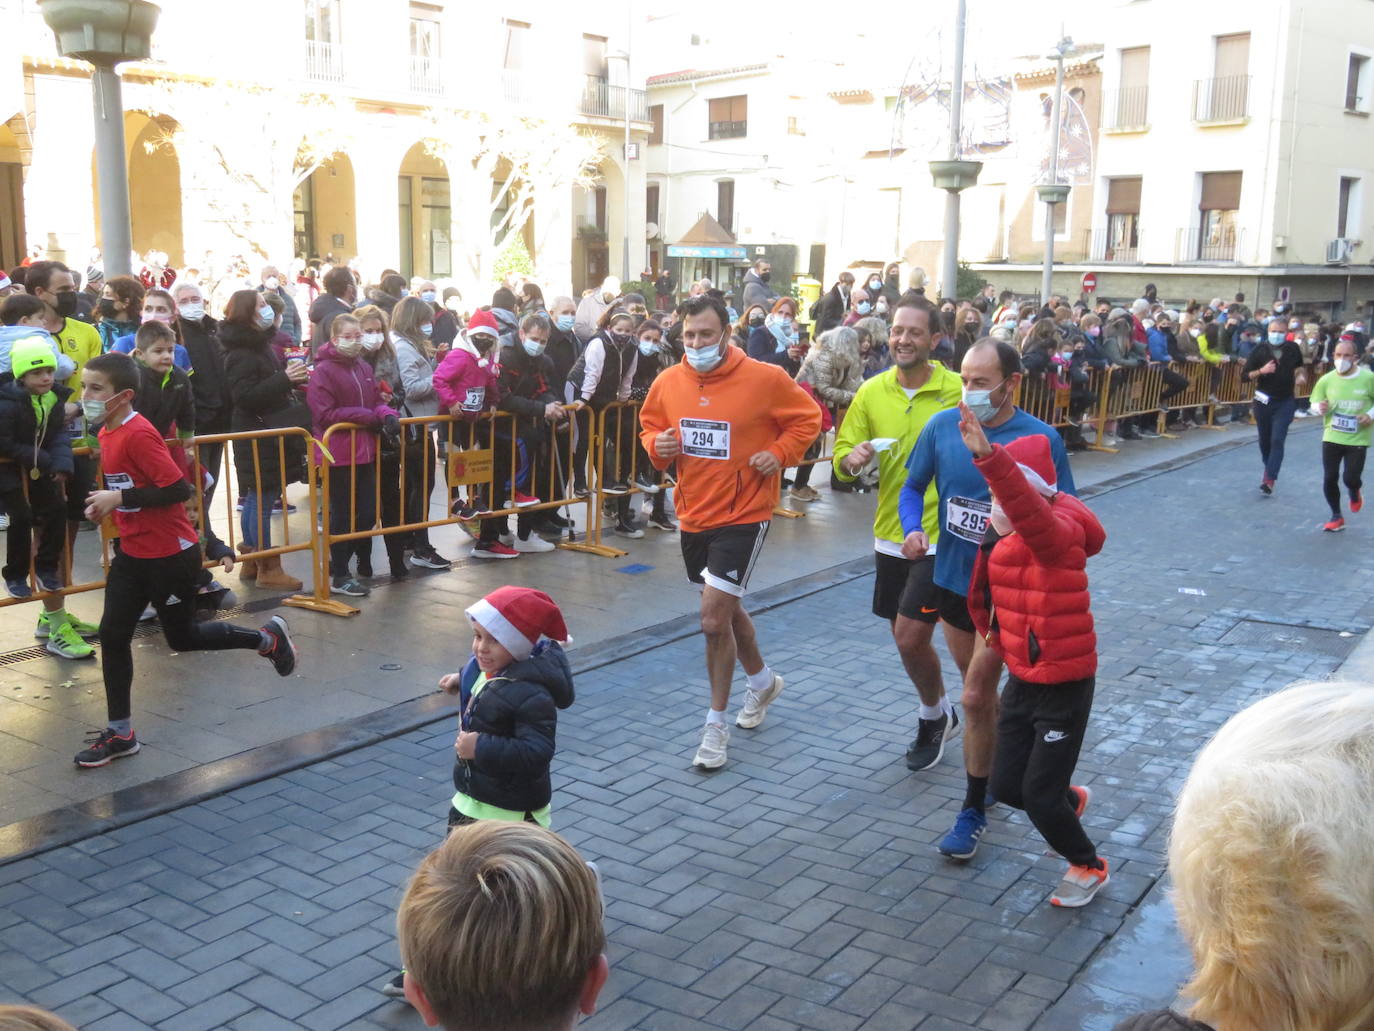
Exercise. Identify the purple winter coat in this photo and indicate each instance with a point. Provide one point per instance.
(344, 390)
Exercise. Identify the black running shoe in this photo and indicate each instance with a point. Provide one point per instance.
(281, 651)
(105, 745)
(395, 987)
(931, 735)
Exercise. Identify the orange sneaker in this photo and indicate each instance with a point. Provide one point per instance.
(1356, 501)
(1080, 886)
(1082, 796)
(1334, 526)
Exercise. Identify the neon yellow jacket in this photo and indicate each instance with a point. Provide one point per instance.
(1210, 350)
(882, 409)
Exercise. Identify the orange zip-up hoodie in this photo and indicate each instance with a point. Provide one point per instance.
(724, 417)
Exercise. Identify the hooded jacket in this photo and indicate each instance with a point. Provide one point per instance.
(1029, 592)
(166, 401)
(507, 326)
(9, 335)
(723, 418)
(345, 390)
(756, 291)
(50, 452)
(468, 379)
(525, 387)
(515, 716)
(322, 311)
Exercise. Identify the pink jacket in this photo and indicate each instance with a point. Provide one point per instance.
(463, 378)
(345, 390)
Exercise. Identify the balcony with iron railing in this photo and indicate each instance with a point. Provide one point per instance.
(1126, 109)
(426, 75)
(602, 100)
(1220, 245)
(324, 61)
(515, 83)
(1222, 100)
(1105, 245)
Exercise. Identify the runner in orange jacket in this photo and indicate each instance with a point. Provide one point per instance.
(731, 424)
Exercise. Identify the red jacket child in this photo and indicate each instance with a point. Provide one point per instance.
(1029, 591)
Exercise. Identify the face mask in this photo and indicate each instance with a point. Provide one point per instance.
(372, 341)
(265, 316)
(882, 308)
(766, 276)
(864, 308)
(1195, 333)
(65, 304)
(427, 296)
(192, 312)
(756, 319)
(1148, 324)
(94, 411)
(704, 359)
(1067, 352)
(107, 308)
(157, 316)
(481, 341)
(1276, 338)
(874, 284)
(997, 515)
(349, 348)
(271, 282)
(1344, 365)
(648, 348)
(533, 348)
(979, 401)
(427, 329)
(564, 323)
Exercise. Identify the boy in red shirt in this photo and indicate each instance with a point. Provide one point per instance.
(157, 555)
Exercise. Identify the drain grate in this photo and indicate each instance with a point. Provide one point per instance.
(1285, 637)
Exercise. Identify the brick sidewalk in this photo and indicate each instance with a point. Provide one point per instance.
(798, 887)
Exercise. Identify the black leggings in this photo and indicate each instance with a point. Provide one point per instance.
(170, 584)
(1332, 456)
(351, 510)
(1039, 734)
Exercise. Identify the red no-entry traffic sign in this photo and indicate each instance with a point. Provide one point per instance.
(1089, 282)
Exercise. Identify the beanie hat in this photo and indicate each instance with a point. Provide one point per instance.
(1117, 313)
(31, 353)
(518, 617)
(482, 321)
(1032, 454)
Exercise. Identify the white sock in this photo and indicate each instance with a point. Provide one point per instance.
(761, 680)
(715, 716)
(946, 706)
(931, 712)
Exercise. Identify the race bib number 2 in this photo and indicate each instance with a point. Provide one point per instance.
(705, 438)
(475, 399)
(967, 518)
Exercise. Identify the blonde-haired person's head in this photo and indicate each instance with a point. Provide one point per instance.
(501, 930)
(1272, 857)
(31, 1018)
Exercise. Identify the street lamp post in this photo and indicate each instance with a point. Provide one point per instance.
(954, 175)
(106, 33)
(1053, 192)
(625, 276)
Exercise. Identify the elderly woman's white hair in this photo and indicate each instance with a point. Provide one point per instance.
(1272, 857)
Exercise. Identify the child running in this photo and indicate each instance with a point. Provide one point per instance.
(157, 557)
(1029, 599)
(509, 694)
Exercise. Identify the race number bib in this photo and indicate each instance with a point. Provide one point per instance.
(1345, 423)
(705, 438)
(121, 482)
(475, 399)
(967, 518)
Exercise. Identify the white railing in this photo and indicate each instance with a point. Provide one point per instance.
(324, 61)
(426, 75)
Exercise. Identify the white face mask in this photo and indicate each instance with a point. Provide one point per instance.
(427, 329)
(1344, 365)
(349, 348)
(271, 282)
(192, 311)
(372, 341)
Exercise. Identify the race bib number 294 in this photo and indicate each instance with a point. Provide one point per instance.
(705, 438)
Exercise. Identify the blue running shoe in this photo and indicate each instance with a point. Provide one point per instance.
(962, 840)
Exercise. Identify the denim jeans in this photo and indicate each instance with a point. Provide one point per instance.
(1273, 420)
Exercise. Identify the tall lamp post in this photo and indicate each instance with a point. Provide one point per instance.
(954, 175)
(106, 33)
(1053, 192)
(624, 55)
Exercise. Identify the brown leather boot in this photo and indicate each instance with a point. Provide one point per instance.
(271, 575)
(248, 568)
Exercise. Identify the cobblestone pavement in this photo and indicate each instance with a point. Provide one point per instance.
(797, 887)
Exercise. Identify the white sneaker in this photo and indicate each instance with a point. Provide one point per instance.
(533, 544)
(4, 521)
(711, 754)
(756, 704)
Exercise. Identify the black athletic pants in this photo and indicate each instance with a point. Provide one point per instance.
(170, 585)
(1332, 457)
(44, 511)
(351, 509)
(1039, 733)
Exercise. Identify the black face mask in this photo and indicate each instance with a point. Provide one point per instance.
(66, 303)
(107, 308)
(766, 276)
(756, 319)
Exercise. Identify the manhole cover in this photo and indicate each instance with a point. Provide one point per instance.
(1283, 637)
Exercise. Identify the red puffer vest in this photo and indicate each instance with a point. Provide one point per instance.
(1029, 592)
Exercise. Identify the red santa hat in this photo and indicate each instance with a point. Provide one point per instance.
(518, 617)
(483, 322)
(1032, 454)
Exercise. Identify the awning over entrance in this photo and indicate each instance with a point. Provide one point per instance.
(707, 239)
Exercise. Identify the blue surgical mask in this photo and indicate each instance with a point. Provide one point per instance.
(533, 348)
(979, 402)
(863, 308)
(564, 322)
(648, 348)
(704, 359)
(1276, 338)
(427, 296)
(265, 316)
(427, 329)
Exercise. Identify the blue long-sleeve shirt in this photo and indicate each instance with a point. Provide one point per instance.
(1158, 344)
(941, 455)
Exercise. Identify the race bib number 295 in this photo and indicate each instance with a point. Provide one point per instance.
(967, 518)
(705, 438)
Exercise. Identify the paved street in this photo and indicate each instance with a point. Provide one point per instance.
(799, 886)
